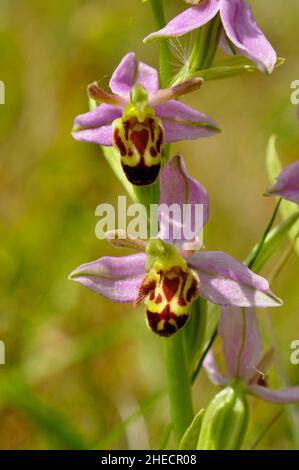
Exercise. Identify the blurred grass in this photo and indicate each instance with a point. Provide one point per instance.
(77, 364)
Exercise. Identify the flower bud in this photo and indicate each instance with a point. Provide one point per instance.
(225, 421)
(138, 136)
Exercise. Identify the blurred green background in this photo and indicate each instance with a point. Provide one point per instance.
(78, 365)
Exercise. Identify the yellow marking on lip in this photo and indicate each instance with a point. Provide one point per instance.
(161, 325)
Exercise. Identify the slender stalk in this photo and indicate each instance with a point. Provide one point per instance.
(179, 385)
(265, 430)
(204, 354)
(251, 261)
(165, 69)
(164, 49)
(281, 263)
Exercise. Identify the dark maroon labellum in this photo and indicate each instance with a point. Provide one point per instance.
(140, 148)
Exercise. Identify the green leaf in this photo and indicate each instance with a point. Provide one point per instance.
(273, 241)
(255, 253)
(227, 68)
(287, 209)
(190, 438)
(113, 159)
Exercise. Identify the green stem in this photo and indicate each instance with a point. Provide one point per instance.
(179, 385)
(164, 49)
(165, 69)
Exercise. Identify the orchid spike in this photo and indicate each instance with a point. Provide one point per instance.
(138, 119)
(167, 276)
(287, 184)
(240, 31)
(245, 363)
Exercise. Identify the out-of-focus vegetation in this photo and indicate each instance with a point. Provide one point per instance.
(78, 365)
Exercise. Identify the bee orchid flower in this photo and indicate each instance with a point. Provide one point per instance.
(138, 118)
(241, 34)
(287, 184)
(246, 365)
(170, 272)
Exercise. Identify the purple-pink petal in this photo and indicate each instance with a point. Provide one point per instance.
(212, 370)
(100, 136)
(284, 395)
(95, 126)
(117, 279)
(131, 71)
(190, 19)
(243, 32)
(177, 187)
(100, 116)
(181, 122)
(287, 184)
(241, 341)
(227, 282)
